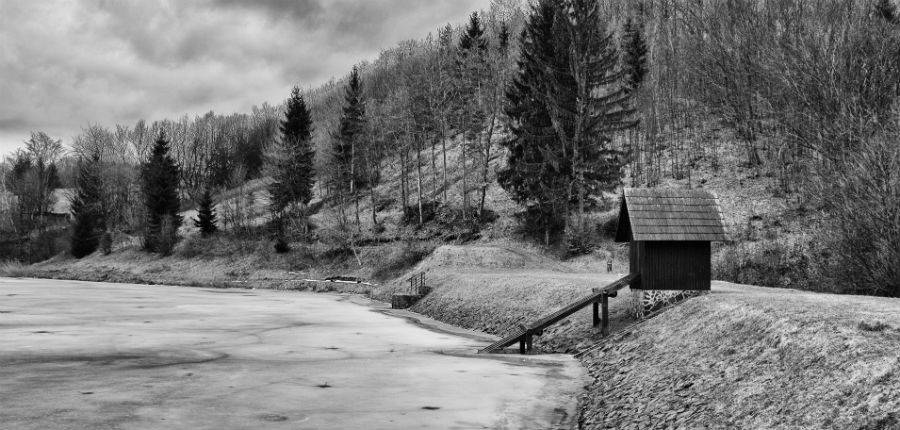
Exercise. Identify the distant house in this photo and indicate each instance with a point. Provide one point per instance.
(7, 200)
(670, 232)
(59, 214)
(62, 201)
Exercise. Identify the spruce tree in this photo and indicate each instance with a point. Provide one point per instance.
(294, 173)
(159, 183)
(564, 104)
(206, 215)
(471, 76)
(503, 37)
(349, 175)
(601, 108)
(635, 55)
(529, 176)
(473, 38)
(87, 210)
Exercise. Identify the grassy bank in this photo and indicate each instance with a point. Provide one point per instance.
(229, 262)
(752, 357)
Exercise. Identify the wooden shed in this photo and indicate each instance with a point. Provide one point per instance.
(670, 232)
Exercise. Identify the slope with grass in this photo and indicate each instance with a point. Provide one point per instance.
(497, 287)
(752, 357)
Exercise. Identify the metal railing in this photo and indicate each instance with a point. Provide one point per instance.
(417, 286)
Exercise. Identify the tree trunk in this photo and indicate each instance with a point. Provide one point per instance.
(419, 180)
(486, 166)
(373, 174)
(434, 172)
(465, 177)
(403, 178)
(444, 150)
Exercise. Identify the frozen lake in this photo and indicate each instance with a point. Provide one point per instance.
(88, 355)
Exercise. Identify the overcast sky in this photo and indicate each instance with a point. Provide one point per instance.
(66, 64)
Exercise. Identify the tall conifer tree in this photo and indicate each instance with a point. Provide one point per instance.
(601, 105)
(635, 55)
(348, 141)
(564, 105)
(472, 72)
(206, 215)
(529, 176)
(294, 170)
(87, 210)
(159, 183)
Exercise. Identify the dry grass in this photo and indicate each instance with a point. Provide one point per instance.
(224, 261)
(13, 269)
(752, 357)
(497, 287)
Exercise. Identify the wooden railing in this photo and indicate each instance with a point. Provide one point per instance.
(600, 300)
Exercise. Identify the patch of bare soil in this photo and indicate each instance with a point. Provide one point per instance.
(752, 357)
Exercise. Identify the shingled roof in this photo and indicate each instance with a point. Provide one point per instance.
(669, 215)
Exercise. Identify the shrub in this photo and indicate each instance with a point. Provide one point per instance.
(402, 259)
(411, 213)
(281, 246)
(581, 237)
(531, 224)
(384, 203)
(38, 246)
(192, 247)
(106, 243)
(84, 237)
(767, 263)
(167, 237)
(14, 269)
(877, 326)
(609, 225)
(863, 229)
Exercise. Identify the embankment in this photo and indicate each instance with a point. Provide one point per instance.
(752, 357)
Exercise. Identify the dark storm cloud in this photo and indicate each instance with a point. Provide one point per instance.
(67, 64)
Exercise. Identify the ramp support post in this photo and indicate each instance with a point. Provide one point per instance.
(596, 314)
(526, 342)
(604, 328)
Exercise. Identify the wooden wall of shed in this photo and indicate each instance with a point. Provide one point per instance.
(671, 265)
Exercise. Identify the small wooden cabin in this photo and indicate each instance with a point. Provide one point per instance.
(670, 231)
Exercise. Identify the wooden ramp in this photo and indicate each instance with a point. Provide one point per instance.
(599, 298)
